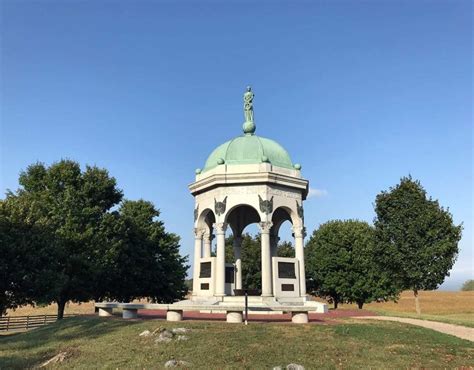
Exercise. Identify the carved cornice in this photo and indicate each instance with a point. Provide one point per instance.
(251, 178)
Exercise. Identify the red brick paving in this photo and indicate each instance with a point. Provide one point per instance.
(317, 318)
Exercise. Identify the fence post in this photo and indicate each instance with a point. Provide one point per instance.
(27, 322)
(8, 322)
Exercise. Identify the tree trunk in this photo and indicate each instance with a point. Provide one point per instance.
(61, 306)
(335, 303)
(417, 302)
(360, 304)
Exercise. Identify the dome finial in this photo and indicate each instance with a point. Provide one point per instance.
(249, 125)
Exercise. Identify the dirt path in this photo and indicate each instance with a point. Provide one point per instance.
(459, 331)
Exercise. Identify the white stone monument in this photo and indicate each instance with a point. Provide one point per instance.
(249, 179)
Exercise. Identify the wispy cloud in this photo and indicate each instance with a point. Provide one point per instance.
(317, 193)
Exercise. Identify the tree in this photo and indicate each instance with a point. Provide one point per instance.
(340, 264)
(285, 249)
(21, 260)
(64, 239)
(68, 206)
(251, 260)
(142, 259)
(468, 286)
(416, 239)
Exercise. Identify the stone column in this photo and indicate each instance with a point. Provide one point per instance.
(198, 233)
(207, 244)
(238, 261)
(267, 290)
(220, 228)
(299, 233)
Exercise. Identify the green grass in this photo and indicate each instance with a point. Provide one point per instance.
(114, 343)
(465, 319)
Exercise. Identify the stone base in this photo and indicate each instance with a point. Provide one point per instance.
(234, 317)
(174, 315)
(299, 317)
(129, 313)
(105, 312)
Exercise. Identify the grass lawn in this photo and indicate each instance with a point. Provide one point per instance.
(114, 343)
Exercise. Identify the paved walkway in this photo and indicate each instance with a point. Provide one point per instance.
(459, 331)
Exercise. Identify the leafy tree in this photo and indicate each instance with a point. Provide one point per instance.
(339, 263)
(68, 205)
(416, 239)
(285, 249)
(73, 244)
(22, 278)
(468, 286)
(142, 259)
(251, 260)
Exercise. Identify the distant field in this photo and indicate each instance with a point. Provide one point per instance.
(93, 342)
(71, 308)
(451, 307)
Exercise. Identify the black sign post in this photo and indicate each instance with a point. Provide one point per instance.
(246, 307)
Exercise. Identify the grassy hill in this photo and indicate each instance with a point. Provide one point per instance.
(92, 342)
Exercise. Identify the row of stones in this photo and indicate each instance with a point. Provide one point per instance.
(177, 315)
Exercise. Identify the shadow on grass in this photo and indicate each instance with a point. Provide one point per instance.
(45, 342)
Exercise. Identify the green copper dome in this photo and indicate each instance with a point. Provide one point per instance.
(249, 148)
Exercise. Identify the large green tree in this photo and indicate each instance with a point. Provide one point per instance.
(68, 205)
(141, 260)
(340, 264)
(416, 238)
(78, 242)
(24, 251)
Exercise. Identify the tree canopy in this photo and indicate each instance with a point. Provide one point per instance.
(340, 264)
(416, 238)
(65, 240)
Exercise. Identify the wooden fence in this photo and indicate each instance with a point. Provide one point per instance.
(15, 323)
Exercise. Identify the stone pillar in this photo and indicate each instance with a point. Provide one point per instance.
(207, 244)
(234, 317)
(267, 290)
(220, 228)
(299, 233)
(176, 315)
(299, 317)
(238, 261)
(198, 233)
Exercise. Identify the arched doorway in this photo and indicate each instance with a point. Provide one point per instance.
(238, 219)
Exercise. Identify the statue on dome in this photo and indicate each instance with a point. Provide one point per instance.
(248, 104)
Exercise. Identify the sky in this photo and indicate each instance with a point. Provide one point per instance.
(360, 93)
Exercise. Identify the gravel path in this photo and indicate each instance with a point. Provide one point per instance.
(459, 331)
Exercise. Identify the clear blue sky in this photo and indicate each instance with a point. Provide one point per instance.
(360, 93)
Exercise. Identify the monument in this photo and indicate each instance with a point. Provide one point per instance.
(249, 179)
(246, 180)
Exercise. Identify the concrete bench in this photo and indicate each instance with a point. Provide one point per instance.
(174, 312)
